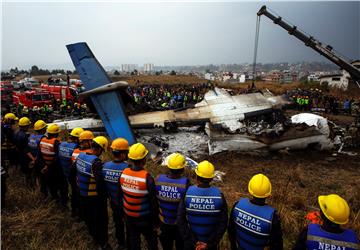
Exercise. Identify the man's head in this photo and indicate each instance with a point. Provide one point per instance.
(205, 172)
(334, 209)
(260, 186)
(176, 163)
(24, 123)
(40, 126)
(85, 139)
(137, 154)
(120, 149)
(99, 145)
(75, 134)
(53, 130)
(10, 118)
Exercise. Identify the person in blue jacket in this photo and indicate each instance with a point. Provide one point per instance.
(203, 214)
(335, 212)
(254, 225)
(108, 180)
(66, 149)
(170, 190)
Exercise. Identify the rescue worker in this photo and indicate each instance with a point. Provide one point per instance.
(202, 217)
(21, 141)
(85, 141)
(170, 190)
(66, 150)
(334, 212)
(93, 205)
(109, 180)
(7, 151)
(138, 193)
(49, 148)
(33, 150)
(254, 224)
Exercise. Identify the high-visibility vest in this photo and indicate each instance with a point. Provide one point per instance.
(85, 178)
(111, 173)
(203, 210)
(317, 238)
(33, 143)
(47, 149)
(253, 224)
(135, 194)
(169, 192)
(77, 151)
(66, 150)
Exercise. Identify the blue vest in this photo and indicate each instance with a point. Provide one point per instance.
(65, 152)
(33, 143)
(111, 173)
(253, 224)
(169, 193)
(318, 238)
(86, 180)
(203, 208)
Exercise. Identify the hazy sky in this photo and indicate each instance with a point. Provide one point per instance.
(172, 33)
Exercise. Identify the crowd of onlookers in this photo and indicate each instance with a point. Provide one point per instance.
(316, 100)
(161, 97)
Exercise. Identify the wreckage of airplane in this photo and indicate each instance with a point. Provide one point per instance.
(246, 122)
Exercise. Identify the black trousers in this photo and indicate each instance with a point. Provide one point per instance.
(3, 190)
(74, 201)
(119, 224)
(57, 184)
(93, 210)
(169, 235)
(137, 226)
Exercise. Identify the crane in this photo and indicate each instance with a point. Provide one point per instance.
(324, 50)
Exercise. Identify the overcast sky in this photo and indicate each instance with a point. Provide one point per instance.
(172, 33)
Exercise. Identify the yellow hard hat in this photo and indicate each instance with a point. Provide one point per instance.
(101, 141)
(334, 208)
(205, 170)
(76, 132)
(86, 135)
(53, 129)
(24, 121)
(39, 125)
(259, 186)
(10, 116)
(176, 161)
(137, 152)
(119, 144)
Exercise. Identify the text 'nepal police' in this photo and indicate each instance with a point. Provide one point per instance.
(202, 203)
(169, 192)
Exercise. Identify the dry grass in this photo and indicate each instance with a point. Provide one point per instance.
(29, 222)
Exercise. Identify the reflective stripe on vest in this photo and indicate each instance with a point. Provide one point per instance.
(33, 143)
(253, 224)
(111, 173)
(77, 151)
(203, 208)
(66, 150)
(169, 192)
(47, 148)
(135, 194)
(85, 178)
(318, 238)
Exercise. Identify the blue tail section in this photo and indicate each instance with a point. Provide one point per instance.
(109, 105)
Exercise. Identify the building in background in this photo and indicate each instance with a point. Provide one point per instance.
(148, 67)
(128, 67)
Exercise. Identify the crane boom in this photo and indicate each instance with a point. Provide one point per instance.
(311, 42)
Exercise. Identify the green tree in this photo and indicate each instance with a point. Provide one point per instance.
(172, 73)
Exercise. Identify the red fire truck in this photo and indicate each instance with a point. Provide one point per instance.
(61, 92)
(31, 98)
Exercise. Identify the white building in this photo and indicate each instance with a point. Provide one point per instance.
(128, 67)
(148, 67)
(336, 81)
(209, 76)
(242, 78)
